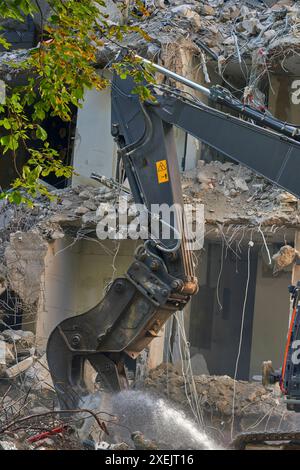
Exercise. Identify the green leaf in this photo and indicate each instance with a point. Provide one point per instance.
(9, 142)
(41, 133)
(5, 123)
(59, 71)
(15, 197)
(4, 43)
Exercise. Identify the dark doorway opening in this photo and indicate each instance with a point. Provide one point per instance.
(61, 137)
(216, 311)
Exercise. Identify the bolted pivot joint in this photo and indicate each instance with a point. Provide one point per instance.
(177, 285)
(154, 265)
(119, 287)
(75, 341)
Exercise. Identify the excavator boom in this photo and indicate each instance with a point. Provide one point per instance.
(161, 280)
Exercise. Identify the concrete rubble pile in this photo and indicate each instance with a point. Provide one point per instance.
(256, 408)
(138, 441)
(217, 30)
(286, 256)
(28, 420)
(230, 193)
(226, 26)
(16, 352)
(234, 194)
(71, 207)
(220, 31)
(214, 30)
(79, 206)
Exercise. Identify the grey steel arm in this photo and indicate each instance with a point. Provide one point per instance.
(161, 279)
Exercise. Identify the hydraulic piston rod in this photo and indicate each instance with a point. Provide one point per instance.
(223, 97)
(175, 76)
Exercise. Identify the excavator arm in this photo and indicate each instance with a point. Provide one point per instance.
(161, 279)
(159, 282)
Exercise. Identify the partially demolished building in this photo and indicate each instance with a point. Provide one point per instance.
(52, 263)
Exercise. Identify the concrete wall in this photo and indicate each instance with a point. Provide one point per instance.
(94, 150)
(75, 278)
(271, 314)
(280, 98)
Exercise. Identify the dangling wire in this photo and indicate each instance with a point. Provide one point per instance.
(250, 245)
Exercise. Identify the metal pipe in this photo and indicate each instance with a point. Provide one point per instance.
(176, 77)
(219, 97)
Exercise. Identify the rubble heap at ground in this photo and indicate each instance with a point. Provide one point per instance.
(16, 352)
(29, 418)
(256, 407)
(216, 31)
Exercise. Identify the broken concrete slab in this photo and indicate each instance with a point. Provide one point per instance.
(38, 375)
(7, 356)
(285, 257)
(175, 22)
(24, 258)
(19, 368)
(24, 339)
(234, 194)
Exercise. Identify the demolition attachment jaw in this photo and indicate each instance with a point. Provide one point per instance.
(69, 374)
(78, 340)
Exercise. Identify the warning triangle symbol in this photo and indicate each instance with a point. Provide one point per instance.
(162, 167)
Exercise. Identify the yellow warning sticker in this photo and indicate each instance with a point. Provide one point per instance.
(162, 171)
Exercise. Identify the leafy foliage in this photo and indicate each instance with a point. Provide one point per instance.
(60, 69)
